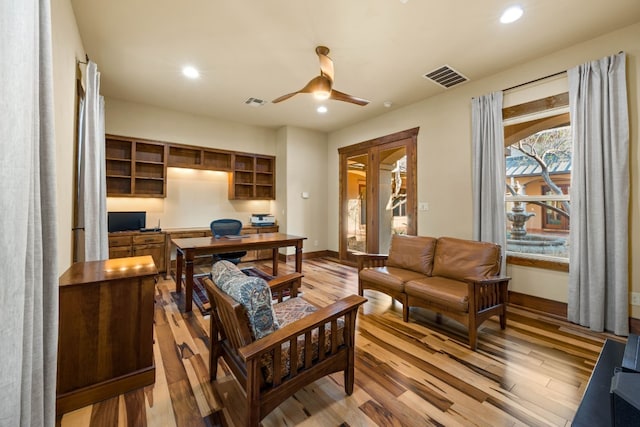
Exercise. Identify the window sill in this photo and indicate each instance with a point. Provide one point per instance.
(538, 263)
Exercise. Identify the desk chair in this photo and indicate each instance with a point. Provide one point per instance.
(227, 227)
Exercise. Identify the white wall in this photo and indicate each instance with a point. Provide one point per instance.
(67, 47)
(306, 170)
(444, 153)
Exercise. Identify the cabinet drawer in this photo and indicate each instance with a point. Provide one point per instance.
(144, 239)
(120, 252)
(188, 234)
(119, 241)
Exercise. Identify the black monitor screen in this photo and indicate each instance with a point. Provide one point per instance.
(126, 221)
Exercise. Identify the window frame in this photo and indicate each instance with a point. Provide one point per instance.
(551, 107)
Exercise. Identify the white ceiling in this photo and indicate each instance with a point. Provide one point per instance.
(266, 48)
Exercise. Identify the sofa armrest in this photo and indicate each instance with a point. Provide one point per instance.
(487, 280)
(288, 282)
(370, 260)
(486, 292)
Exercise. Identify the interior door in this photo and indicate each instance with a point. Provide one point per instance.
(378, 193)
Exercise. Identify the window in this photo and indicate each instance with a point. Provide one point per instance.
(538, 172)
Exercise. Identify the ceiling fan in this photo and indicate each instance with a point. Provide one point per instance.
(322, 86)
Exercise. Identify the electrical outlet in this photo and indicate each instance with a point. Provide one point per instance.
(423, 206)
(635, 298)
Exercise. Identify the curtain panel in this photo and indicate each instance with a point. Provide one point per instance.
(598, 236)
(92, 190)
(29, 296)
(488, 171)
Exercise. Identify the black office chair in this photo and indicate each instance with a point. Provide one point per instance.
(227, 227)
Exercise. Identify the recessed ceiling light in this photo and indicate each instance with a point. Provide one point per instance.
(512, 14)
(321, 109)
(190, 72)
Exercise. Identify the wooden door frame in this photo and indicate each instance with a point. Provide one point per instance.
(407, 139)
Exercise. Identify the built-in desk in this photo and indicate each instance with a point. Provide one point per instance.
(595, 407)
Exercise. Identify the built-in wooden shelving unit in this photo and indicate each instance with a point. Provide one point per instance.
(138, 168)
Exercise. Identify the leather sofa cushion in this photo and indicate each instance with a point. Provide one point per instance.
(413, 253)
(458, 259)
(447, 293)
(391, 278)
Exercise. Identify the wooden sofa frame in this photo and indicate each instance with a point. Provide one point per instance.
(232, 340)
(488, 296)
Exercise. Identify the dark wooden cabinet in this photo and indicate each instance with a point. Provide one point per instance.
(105, 334)
(135, 167)
(138, 168)
(135, 243)
(253, 177)
(185, 156)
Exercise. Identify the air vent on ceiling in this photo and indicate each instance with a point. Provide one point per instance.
(445, 76)
(255, 102)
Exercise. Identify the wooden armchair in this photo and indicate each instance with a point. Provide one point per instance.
(299, 352)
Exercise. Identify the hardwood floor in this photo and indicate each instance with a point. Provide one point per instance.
(407, 374)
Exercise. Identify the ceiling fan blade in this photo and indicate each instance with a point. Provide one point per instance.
(326, 63)
(340, 96)
(318, 83)
(284, 97)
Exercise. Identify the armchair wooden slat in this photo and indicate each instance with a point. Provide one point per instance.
(249, 359)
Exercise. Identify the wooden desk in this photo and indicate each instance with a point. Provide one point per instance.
(188, 249)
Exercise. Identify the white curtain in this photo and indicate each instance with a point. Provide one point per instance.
(598, 237)
(29, 290)
(92, 194)
(488, 171)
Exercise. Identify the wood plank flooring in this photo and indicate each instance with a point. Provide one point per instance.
(407, 374)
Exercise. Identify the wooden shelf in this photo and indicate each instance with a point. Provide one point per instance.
(134, 167)
(138, 168)
(199, 158)
(252, 178)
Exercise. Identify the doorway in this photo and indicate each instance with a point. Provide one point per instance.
(378, 193)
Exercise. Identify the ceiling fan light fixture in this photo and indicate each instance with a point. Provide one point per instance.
(321, 94)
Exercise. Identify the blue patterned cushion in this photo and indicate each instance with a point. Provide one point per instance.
(252, 292)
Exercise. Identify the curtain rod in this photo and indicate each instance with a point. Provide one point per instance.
(535, 80)
(86, 59)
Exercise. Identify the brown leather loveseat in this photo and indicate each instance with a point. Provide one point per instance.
(456, 277)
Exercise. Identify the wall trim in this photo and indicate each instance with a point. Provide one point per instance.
(541, 304)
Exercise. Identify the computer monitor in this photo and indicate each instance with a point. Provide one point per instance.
(126, 221)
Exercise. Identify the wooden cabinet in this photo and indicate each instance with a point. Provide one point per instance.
(135, 167)
(138, 168)
(105, 333)
(253, 177)
(184, 156)
(135, 243)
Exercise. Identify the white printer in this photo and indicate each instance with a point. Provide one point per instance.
(262, 220)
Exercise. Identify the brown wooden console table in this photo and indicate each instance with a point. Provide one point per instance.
(188, 249)
(105, 335)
